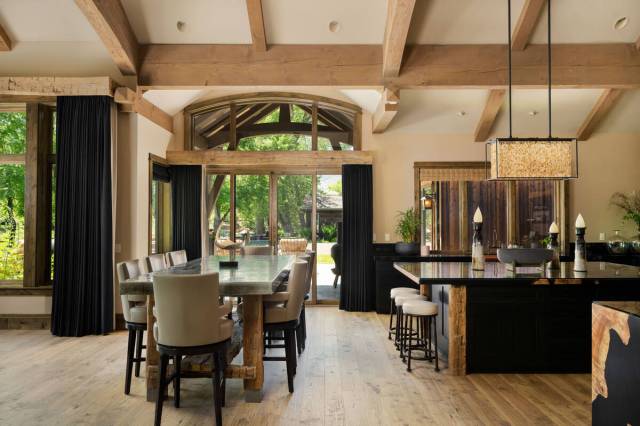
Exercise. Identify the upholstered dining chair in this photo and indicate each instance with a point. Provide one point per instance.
(190, 321)
(282, 313)
(178, 257)
(156, 262)
(256, 250)
(134, 309)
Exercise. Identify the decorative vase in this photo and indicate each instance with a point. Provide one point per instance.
(553, 245)
(580, 258)
(618, 244)
(477, 251)
(407, 249)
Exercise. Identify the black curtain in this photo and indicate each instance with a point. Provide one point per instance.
(83, 269)
(186, 185)
(357, 291)
(161, 173)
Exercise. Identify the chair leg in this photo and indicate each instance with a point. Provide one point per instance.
(290, 357)
(164, 360)
(304, 328)
(130, 347)
(435, 341)
(176, 381)
(298, 333)
(410, 319)
(390, 317)
(217, 398)
(139, 338)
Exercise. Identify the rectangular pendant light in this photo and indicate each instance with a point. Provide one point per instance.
(531, 158)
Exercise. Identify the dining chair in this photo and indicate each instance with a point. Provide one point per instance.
(256, 251)
(190, 321)
(134, 310)
(282, 313)
(156, 262)
(178, 257)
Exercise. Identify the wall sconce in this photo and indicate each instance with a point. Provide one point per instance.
(427, 203)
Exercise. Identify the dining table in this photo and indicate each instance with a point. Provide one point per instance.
(251, 278)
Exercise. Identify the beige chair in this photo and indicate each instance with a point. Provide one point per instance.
(190, 321)
(281, 315)
(156, 262)
(176, 257)
(292, 245)
(256, 251)
(135, 316)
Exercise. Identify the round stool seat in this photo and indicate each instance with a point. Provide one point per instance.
(404, 298)
(403, 290)
(420, 307)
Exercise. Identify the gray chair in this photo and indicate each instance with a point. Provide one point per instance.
(156, 262)
(134, 310)
(282, 313)
(256, 251)
(178, 257)
(190, 321)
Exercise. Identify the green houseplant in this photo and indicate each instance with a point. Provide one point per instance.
(408, 228)
(630, 205)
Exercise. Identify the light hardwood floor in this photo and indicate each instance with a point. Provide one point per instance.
(349, 374)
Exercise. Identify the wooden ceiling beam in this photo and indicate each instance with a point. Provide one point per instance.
(131, 101)
(108, 19)
(603, 106)
(424, 66)
(5, 41)
(387, 109)
(50, 87)
(526, 24)
(256, 24)
(489, 114)
(395, 35)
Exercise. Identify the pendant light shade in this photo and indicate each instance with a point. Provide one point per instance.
(532, 158)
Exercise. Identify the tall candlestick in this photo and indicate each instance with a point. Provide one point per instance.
(580, 258)
(477, 251)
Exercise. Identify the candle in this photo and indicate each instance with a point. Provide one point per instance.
(553, 229)
(477, 216)
(580, 222)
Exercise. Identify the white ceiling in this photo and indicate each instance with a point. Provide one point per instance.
(485, 21)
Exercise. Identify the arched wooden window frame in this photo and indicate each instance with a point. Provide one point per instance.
(316, 104)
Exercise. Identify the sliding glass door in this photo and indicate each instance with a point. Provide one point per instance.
(329, 236)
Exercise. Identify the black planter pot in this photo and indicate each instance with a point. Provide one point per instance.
(407, 249)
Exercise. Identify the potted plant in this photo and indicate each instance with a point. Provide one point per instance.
(408, 228)
(630, 205)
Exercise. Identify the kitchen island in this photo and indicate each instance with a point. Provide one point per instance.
(496, 321)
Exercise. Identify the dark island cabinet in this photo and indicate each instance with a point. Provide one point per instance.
(440, 296)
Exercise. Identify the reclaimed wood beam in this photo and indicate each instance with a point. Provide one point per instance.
(603, 106)
(526, 24)
(131, 101)
(109, 20)
(256, 24)
(387, 109)
(5, 41)
(395, 35)
(615, 65)
(489, 114)
(55, 86)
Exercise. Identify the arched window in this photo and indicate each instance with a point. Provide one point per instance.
(273, 122)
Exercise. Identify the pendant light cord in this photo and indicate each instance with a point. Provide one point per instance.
(549, 58)
(509, 32)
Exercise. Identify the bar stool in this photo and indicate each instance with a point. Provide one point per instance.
(392, 309)
(399, 301)
(424, 313)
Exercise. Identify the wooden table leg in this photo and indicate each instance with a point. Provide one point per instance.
(253, 346)
(153, 358)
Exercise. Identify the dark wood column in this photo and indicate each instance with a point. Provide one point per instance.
(37, 197)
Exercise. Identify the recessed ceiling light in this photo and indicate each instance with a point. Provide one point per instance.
(461, 113)
(533, 113)
(334, 26)
(180, 25)
(621, 23)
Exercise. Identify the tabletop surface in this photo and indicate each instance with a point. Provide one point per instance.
(461, 273)
(255, 275)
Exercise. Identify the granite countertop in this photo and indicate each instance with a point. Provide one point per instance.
(460, 273)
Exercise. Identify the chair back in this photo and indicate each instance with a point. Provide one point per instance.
(156, 262)
(187, 309)
(178, 257)
(256, 250)
(312, 262)
(127, 270)
(296, 289)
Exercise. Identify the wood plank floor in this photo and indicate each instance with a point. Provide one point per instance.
(349, 375)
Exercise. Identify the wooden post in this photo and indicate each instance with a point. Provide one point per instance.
(152, 355)
(314, 236)
(314, 127)
(37, 196)
(273, 212)
(253, 346)
(458, 330)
